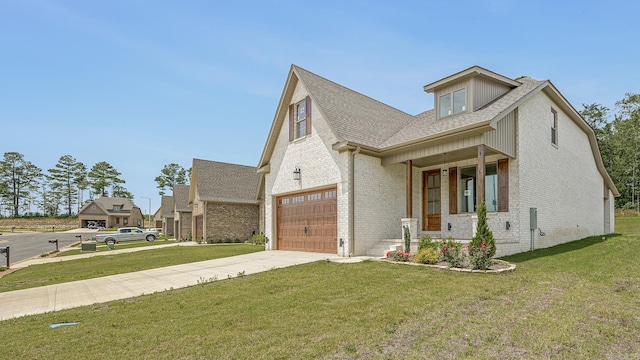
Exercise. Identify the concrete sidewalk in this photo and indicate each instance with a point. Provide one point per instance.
(91, 291)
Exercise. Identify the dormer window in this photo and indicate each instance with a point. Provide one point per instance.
(453, 103)
(117, 207)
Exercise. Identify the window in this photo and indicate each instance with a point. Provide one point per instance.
(453, 103)
(468, 188)
(117, 207)
(554, 127)
(301, 117)
(330, 194)
(316, 196)
(125, 221)
(297, 199)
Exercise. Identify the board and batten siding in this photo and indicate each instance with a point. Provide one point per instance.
(503, 138)
(433, 150)
(485, 91)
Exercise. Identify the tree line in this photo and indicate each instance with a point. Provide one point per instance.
(619, 143)
(24, 185)
(57, 191)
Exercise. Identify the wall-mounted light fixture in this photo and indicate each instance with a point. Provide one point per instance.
(296, 173)
(444, 168)
(449, 226)
(508, 225)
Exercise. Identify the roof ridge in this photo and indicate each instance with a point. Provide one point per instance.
(222, 162)
(349, 89)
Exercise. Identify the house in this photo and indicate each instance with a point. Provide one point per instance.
(344, 173)
(181, 212)
(223, 200)
(157, 218)
(166, 215)
(110, 212)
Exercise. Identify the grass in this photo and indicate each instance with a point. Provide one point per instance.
(55, 273)
(573, 301)
(100, 247)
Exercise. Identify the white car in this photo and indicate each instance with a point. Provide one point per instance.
(127, 234)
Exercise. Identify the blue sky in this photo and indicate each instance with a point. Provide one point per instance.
(141, 84)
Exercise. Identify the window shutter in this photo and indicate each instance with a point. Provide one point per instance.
(292, 124)
(503, 185)
(453, 190)
(308, 117)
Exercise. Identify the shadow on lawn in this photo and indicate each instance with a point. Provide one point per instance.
(558, 249)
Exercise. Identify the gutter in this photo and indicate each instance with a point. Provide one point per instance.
(352, 198)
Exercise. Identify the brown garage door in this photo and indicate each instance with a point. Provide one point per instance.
(308, 221)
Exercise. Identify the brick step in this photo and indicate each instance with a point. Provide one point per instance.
(381, 247)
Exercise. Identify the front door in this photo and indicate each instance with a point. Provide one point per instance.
(431, 200)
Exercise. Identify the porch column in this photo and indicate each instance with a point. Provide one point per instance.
(409, 202)
(480, 172)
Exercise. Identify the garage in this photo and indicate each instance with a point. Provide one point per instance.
(308, 221)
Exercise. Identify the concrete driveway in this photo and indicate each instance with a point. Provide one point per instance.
(87, 292)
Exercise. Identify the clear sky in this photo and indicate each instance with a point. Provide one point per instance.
(140, 84)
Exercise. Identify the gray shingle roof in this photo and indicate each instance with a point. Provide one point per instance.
(425, 125)
(107, 203)
(353, 116)
(166, 204)
(181, 198)
(224, 182)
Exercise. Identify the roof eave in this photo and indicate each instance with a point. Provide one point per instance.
(472, 71)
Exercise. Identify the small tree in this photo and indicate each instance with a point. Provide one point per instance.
(407, 239)
(483, 233)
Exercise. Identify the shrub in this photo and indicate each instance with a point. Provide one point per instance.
(483, 233)
(257, 239)
(426, 243)
(427, 256)
(480, 257)
(452, 252)
(407, 239)
(398, 255)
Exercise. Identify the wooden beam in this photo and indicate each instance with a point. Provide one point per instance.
(409, 194)
(480, 173)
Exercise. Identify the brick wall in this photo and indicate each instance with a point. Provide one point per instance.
(231, 221)
(183, 225)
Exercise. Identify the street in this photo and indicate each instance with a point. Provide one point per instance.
(26, 245)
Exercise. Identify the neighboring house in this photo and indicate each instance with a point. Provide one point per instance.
(167, 215)
(181, 212)
(157, 218)
(110, 212)
(223, 200)
(344, 173)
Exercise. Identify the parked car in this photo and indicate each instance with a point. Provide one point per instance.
(127, 234)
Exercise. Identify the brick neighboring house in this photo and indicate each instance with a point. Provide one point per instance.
(182, 212)
(343, 172)
(110, 212)
(223, 200)
(166, 214)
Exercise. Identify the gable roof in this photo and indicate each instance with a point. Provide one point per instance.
(358, 120)
(224, 182)
(181, 198)
(106, 204)
(166, 206)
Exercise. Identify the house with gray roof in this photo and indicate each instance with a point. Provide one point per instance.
(345, 173)
(165, 214)
(110, 212)
(182, 212)
(223, 201)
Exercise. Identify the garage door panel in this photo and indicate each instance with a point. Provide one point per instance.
(317, 212)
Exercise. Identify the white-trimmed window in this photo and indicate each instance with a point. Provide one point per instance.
(554, 127)
(453, 102)
(301, 119)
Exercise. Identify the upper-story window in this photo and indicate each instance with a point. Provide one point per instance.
(300, 119)
(117, 207)
(554, 127)
(453, 103)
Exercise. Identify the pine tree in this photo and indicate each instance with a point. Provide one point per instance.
(483, 233)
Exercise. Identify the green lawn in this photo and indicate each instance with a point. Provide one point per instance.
(573, 301)
(100, 247)
(54, 273)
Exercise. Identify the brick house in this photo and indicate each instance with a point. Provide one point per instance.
(223, 200)
(110, 212)
(166, 215)
(181, 212)
(343, 172)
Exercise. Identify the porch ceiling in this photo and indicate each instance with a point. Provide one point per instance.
(456, 155)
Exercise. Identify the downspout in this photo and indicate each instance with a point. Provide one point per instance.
(352, 199)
